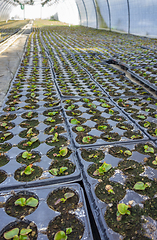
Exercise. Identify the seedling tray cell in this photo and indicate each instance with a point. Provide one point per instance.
(43, 214)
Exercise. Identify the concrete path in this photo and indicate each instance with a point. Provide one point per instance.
(9, 62)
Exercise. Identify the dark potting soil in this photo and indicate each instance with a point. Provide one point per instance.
(111, 136)
(29, 123)
(28, 178)
(150, 208)
(60, 141)
(20, 211)
(108, 197)
(149, 191)
(3, 160)
(70, 204)
(34, 158)
(106, 175)
(63, 221)
(92, 155)
(21, 224)
(80, 137)
(57, 164)
(52, 130)
(52, 153)
(3, 176)
(130, 225)
(131, 167)
(26, 134)
(120, 152)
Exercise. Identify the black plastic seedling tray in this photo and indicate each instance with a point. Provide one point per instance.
(91, 183)
(42, 149)
(90, 122)
(143, 113)
(142, 80)
(43, 214)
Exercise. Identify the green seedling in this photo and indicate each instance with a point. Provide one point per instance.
(62, 152)
(28, 170)
(55, 138)
(26, 155)
(29, 114)
(141, 116)
(91, 105)
(86, 100)
(52, 113)
(61, 235)
(74, 121)
(14, 234)
(32, 140)
(141, 185)
(30, 132)
(105, 167)
(111, 112)
(155, 161)
(31, 202)
(147, 124)
(50, 119)
(66, 197)
(109, 189)
(135, 136)
(33, 95)
(5, 136)
(58, 171)
(106, 105)
(53, 129)
(75, 114)
(93, 156)
(87, 139)
(80, 129)
(122, 210)
(71, 107)
(148, 149)
(102, 127)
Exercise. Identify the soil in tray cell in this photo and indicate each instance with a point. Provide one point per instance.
(53, 130)
(131, 167)
(61, 168)
(86, 139)
(29, 123)
(56, 140)
(59, 153)
(27, 203)
(5, 126)
(120, 152)
(53, 121)
(4, 147)
(110, 192)
(150, 208)
(29, 144)
(63, 200)
(28, 173)
(92, 155)
(4, 159)
(130, 225)
(4, 136)
(8, 117)
(28, 157)
(31, 132)
(29, 115)
(21, 225)
(64, 221)
(3, 176)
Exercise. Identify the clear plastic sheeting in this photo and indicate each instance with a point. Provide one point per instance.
(143, 17)
(83, 12)
(103, 14)
(119, 15)
(92, 13)
(68, 12)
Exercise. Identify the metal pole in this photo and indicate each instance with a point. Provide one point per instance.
(128, 16)
(96, 14)
(109, 14)
(78, 12)
(85, 11)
